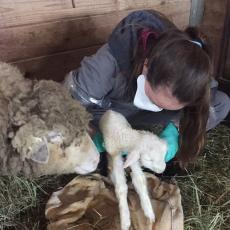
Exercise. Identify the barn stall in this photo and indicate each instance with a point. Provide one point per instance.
(48, 38)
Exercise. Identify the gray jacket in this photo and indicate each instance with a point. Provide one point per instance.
(99, 80)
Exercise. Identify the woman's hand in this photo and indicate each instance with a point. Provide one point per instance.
(171, 135)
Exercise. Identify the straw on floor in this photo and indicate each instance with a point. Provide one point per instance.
(205, 189)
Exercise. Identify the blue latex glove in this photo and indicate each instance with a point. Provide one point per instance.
(171, 135)
(99, 142)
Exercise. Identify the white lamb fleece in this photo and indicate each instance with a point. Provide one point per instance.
(120, 136)
(143, 148)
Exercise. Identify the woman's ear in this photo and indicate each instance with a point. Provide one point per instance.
(145, 68)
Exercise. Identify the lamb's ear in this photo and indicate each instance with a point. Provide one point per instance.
(132, 157)
(40, 152)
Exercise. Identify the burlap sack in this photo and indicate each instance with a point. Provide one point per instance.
(89, 203)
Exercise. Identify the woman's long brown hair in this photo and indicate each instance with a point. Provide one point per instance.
(175, 61)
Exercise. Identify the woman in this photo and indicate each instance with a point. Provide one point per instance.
(152, 72)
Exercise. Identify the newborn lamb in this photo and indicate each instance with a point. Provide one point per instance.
(141, 146)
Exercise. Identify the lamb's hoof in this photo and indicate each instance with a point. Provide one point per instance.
(125, 225)
(150, 215)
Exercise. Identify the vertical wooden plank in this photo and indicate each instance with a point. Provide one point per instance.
(226, 72)
(224, 42)
(196, 13)
(213, 25)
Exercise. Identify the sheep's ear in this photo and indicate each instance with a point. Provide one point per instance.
(40, 154)
(132, 157)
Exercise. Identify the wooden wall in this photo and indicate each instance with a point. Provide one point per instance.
(47, 38)
(227, 67)
(213, 25)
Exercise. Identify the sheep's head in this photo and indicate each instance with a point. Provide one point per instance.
(84, 155)
(153, 151)
(35, 142)
(30, 141)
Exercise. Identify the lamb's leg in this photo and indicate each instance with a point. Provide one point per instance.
(140, 185)
(117, 175)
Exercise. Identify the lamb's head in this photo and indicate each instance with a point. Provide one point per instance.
(153, 151)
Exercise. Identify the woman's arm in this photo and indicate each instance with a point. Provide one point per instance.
(93, 80)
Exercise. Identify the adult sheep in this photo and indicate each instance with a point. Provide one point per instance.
(43, 130)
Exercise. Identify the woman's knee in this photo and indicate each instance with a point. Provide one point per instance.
(220, 107)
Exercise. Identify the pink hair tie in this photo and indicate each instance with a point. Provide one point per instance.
(145, 35)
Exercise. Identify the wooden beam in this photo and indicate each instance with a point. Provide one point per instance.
(41, 39)
(50, 38)
(224, 42)
(226, 73)
(213, 25)
(48, 41)
(13, 6)
(55, 66)
(28, 17)
(196, 13)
